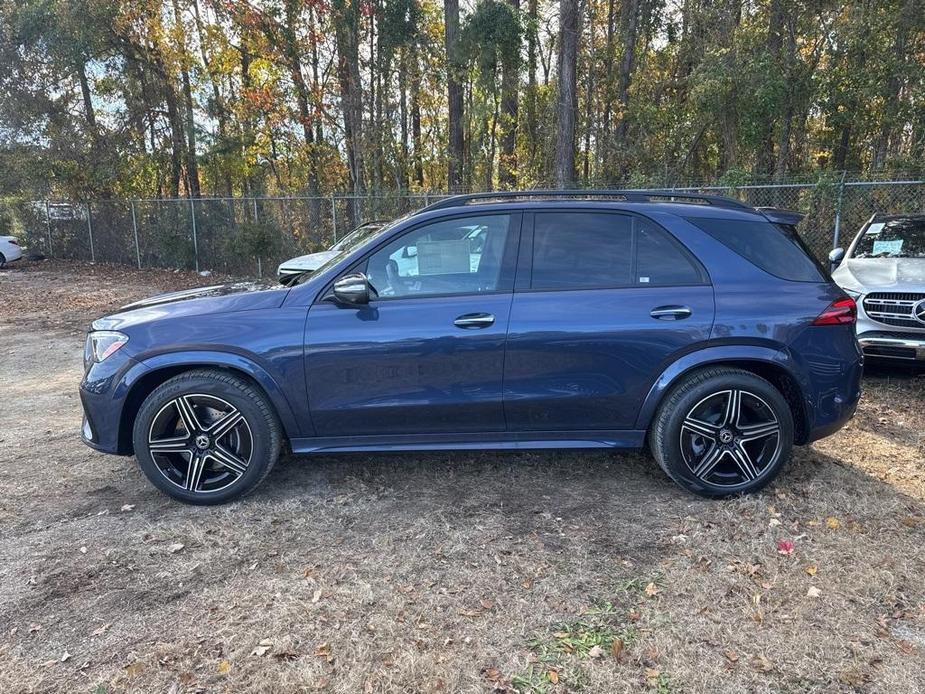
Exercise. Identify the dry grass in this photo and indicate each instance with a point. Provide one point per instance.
(447, 573)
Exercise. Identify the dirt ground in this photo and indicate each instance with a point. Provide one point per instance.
(459, 572)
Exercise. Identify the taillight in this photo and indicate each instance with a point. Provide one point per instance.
(843, 311)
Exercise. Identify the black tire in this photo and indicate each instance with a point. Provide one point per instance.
(2, 261)
(708, 449)
(218, 475)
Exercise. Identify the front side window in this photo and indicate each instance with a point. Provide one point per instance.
(896, 238)
(454, 256)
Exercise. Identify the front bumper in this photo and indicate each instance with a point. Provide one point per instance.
(892, 345)
(103, 392)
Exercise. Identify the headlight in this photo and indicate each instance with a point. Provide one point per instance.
(102, 344)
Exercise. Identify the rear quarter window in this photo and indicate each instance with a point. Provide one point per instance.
(775, 248)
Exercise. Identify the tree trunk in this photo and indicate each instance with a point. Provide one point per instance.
(604, 139)
(629, 25)
(765, 155)
(347, 38)
(456, 158)
(218, 103)
(510, 80)
(192, 163)
(416, 118)
(530, 100)
(567, 105)
(589, 96)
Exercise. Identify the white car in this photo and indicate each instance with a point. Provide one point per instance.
(884, 271)
(312, 261)
(9, 250)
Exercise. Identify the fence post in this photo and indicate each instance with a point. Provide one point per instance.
(135, 230)
(192, 212)
(841, 192)
(90, 232)
(334, 217)
(51, 252)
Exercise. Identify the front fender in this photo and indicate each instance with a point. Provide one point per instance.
(235, 362)
(778, 358)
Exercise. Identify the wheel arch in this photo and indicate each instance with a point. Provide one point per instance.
(164, 367)
(773, 365)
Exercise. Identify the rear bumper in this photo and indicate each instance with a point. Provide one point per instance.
(890, 345)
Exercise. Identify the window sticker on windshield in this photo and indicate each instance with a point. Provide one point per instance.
(891, 247)
(874, 229)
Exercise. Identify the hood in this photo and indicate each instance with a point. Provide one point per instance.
(200, 301)
(312, 261)
(868, 274)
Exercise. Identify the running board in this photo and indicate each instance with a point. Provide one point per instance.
(496, 440)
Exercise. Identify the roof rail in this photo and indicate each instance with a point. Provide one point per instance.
(627, 195)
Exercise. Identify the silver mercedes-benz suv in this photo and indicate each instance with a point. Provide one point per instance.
(884, 271)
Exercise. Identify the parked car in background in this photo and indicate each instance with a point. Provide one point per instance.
(9, 250)
(312, 261)
(695, 325)
(884, 271)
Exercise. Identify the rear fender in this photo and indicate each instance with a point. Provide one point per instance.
(710, 356)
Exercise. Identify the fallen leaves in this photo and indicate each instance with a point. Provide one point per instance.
(651, 590)
(553, 676)
(262, 648)
(832, 523)
(224, 667)
(596, 652)
(176, 547)
(811, 569)
(101, 630)
(813, 592)
(785, 547)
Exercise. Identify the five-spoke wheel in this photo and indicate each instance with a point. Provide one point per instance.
(205, 437)
(722, 430)
(200, 442)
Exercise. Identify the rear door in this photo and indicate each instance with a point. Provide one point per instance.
(603, 302)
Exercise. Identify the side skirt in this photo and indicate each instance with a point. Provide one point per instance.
(495, 440)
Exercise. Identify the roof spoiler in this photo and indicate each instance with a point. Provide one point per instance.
(779, 216)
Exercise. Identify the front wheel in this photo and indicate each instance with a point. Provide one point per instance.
(206, 437)
(722, 431)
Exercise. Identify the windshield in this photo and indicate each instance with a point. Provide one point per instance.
(357, 237)
(358, 234)
(896, 238)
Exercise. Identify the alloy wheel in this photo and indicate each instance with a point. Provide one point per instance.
(200, 443)
(730, 438)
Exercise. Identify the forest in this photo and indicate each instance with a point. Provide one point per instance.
(116, 99)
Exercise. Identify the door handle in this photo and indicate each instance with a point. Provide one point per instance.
(670, 312)
(474, 320)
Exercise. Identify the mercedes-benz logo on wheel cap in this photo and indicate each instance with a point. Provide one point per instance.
(919, 311)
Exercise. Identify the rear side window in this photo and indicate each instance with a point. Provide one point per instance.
(582, 250)
(660, 260)
(588, 250)
(776, 249)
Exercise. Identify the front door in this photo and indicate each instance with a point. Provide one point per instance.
(426, 356)
(604, 301)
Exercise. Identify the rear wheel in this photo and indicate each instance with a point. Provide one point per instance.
(722, 431)
(206, 437)
(2, 261)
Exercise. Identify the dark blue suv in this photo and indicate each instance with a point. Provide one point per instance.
(696, 325)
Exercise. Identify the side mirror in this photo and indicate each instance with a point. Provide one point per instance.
(836, 255)
(352, 289)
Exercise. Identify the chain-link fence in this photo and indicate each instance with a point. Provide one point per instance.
(251, 236)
